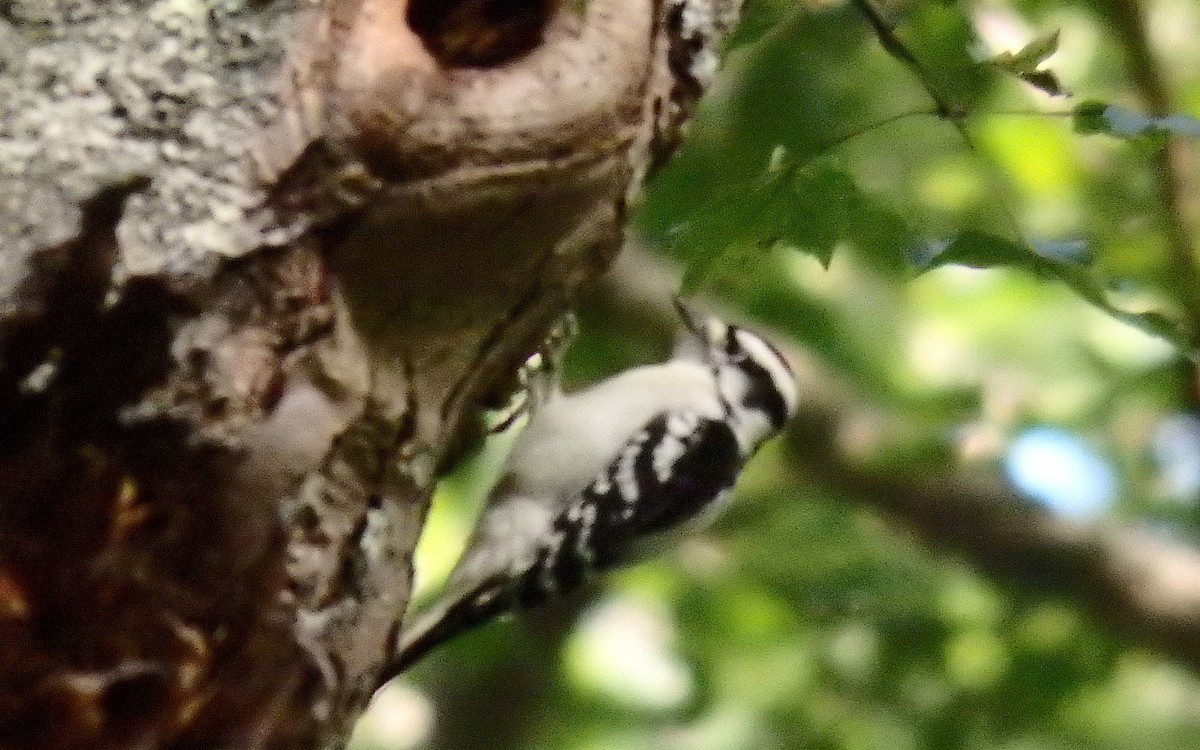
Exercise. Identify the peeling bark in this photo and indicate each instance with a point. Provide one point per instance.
(261, 266)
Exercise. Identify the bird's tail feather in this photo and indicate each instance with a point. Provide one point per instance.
(446, 621)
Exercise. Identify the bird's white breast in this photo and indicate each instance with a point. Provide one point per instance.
(573, 437)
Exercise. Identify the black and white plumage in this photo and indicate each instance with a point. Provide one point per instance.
(600, 476)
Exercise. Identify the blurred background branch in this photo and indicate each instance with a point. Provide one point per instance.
(1129, 24)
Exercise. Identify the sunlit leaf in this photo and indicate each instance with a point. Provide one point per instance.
(1029, 57)
(1026, 64)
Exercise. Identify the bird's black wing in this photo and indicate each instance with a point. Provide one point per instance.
(673, 470)
(677, 467)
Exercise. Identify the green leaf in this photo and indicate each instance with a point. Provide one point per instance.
(979, 250)
(736, 222)
(1088, 117)
(1066, 262)
(815, 221)
(811, 208)
(1045, 80)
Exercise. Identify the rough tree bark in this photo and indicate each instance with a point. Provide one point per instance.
(261, 265)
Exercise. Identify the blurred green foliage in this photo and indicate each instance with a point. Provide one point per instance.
(1016, 261)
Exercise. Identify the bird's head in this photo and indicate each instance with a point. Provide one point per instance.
(754, 381)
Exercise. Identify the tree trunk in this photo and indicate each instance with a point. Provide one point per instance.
(261, 266)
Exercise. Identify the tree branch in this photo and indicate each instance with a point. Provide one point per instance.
(1139, 583)
(1170, 161)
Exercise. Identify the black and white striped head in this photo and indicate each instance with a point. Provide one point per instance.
(755, 383)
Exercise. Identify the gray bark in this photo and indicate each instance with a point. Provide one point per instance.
(261, 266)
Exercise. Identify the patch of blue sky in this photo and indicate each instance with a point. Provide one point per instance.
(1059, 470)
